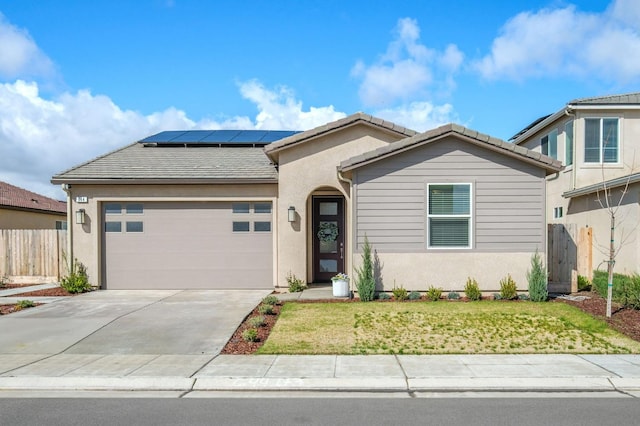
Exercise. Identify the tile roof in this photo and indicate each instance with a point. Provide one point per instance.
(13, 196)
(140, 163)
(487, 141)
(624, 99)
(358, 117)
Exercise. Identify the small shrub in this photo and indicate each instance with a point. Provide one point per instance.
(256, 322)
(295, 284)
(250, 335)
(537, 278)
(78, 280)
(270, 300)
(472, 290)
(3, 281)
(265, 309)
(399, 293)
(630, 297)
(583, 283)
(497, 296)
(433, 294)
(414, 295)
(366, 283)
(523, 296)
(453, 295)
(24, 304)
(508, 288)
(384, 296)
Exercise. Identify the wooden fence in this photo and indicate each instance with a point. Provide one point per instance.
(32, 255)
(569, 254)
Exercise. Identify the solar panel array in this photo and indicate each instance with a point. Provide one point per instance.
(218, 137)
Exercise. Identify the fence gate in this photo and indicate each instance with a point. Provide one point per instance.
(32, 255)
(569, 254)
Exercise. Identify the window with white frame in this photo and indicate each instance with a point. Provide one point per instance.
(568, 143)
(557, 212)
(449, 215)
(601, 140)
(549, 144)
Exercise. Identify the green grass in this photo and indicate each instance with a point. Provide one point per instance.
(441, 328)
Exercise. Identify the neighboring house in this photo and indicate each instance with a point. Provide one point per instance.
(22, 209)
(597, 139)
(244, 209)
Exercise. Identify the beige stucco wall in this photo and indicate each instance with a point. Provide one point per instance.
(308, 167)
(21, 219)
(87, 243)
(449, 271)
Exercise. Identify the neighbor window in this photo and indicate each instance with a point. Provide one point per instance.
(449, 215)
(601, 140)
(61, 225)
(568, 143)
(549, 144)
(557, 212)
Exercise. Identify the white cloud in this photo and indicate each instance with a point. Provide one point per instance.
(567, 42)
(407, 69)
(420, 116)
(280, 110)
(41, 137)
(19, 54)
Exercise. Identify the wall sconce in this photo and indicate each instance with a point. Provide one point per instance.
(80, 217)
(291, 214)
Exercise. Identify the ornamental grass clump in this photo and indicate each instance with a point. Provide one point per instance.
(508, 288)
(433, 294)
(537, 278)
(295, 284)
(366, 283)
(250, 335)
(472, 290)
(270, 300)
(399, 293)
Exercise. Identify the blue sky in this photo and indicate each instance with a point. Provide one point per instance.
(81, 78)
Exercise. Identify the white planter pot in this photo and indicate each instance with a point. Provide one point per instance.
(340, 288)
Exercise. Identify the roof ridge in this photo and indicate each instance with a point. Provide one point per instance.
(594, 98)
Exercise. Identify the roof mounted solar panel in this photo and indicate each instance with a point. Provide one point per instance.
(186, 138)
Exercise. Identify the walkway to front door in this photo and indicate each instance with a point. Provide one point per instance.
(328, 237)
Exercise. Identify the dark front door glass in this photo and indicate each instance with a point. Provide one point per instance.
(328, 238)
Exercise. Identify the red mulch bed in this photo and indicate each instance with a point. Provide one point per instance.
(7, 309)
(626, 321)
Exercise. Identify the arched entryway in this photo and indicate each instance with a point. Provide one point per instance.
(328, 235)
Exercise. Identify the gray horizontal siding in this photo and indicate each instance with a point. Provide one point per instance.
(508, 197)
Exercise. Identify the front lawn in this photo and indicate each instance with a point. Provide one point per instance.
(487, 327)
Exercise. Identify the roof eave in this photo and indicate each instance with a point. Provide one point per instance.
(610, 184)
(535, 129)
(162, 181)
(32, 210)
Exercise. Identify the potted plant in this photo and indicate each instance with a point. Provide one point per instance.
(340, 285)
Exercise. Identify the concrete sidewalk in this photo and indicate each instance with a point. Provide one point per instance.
(321, 373)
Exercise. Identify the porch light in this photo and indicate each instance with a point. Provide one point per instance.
(291, 214)
(80, 217)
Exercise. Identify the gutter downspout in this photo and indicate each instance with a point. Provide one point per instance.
(350, 250)
(67, 188)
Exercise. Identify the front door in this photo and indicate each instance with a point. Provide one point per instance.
(328, 237)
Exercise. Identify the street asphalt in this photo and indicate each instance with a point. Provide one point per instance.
(168, 342)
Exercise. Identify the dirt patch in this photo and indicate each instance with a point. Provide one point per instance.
(238, 346)
(49, 292)
(8, 309)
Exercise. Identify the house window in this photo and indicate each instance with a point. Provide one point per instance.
(557, 212)
(601, 140)
(449, 215)
(61, 225)
(568, 143)
(549, 144)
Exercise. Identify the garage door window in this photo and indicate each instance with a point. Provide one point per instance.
(135, 208)
(113, 208)
(240, 226)
(113, 226)
(262, 208)
(240, 207)
(134, 227)
(262, 226)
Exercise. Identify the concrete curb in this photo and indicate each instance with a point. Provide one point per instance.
(97, 383)
(370, 384)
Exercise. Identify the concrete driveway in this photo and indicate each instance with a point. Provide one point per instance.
(147, 324)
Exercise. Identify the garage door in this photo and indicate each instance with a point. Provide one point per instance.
(187, 245)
